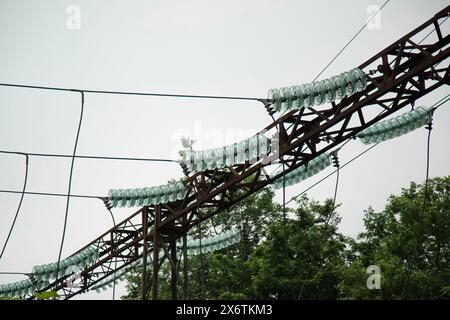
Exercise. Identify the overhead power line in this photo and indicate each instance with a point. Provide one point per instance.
(436, 105)
(115, 262)
(421, 212)
(152, 94)
(50, 194)
(343, 48)
(333, 172)
(440, 102)
(18, 207)
(56, 155)
(69, 188)
(350, 41)
(14, 273)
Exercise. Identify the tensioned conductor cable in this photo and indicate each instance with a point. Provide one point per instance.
(170, 95)
(202, 282)
(284, 197)
(350, 41)
(152, 94)
(433, 30)
(424, 38)
(429, 127)
(440, 102)
(330, 214)
(15, 273)
(56, 155)
(435, 106)
(115, 262)
(284, 215)
(344, 165)
(18, 207)
(345, 47)
(333, 172)
(108, 207)
(338, 146)
(50, 194)
(70, 185)
(336, 164)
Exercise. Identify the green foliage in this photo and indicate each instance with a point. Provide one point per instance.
(10, 298)
(46, 295)
(134, 287)
(186, 144)
(301, 256)
(223, 274)
(305, 257)
(409, 242)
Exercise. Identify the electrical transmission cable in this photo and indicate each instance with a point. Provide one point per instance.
(14, 273)
(422, 211)
(202, 283)
(440, 102)
(345, 46)
(69, 195)
(55, 155)
(333, 172)
(350, 41)
(18, 207)
(70, 185)
(434, 106)
(115, 262)
(329, 215)
(424, 38)
(284, 215)
(50, 194)
(334, 197)
(153, 94)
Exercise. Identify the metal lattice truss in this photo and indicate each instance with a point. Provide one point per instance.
(397, 76)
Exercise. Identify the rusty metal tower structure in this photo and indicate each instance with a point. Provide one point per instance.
(397, 76)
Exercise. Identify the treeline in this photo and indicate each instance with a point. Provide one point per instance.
(403, 253)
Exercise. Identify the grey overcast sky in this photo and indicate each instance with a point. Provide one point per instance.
(198, 47)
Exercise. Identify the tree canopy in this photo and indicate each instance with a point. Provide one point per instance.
(304, 256)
